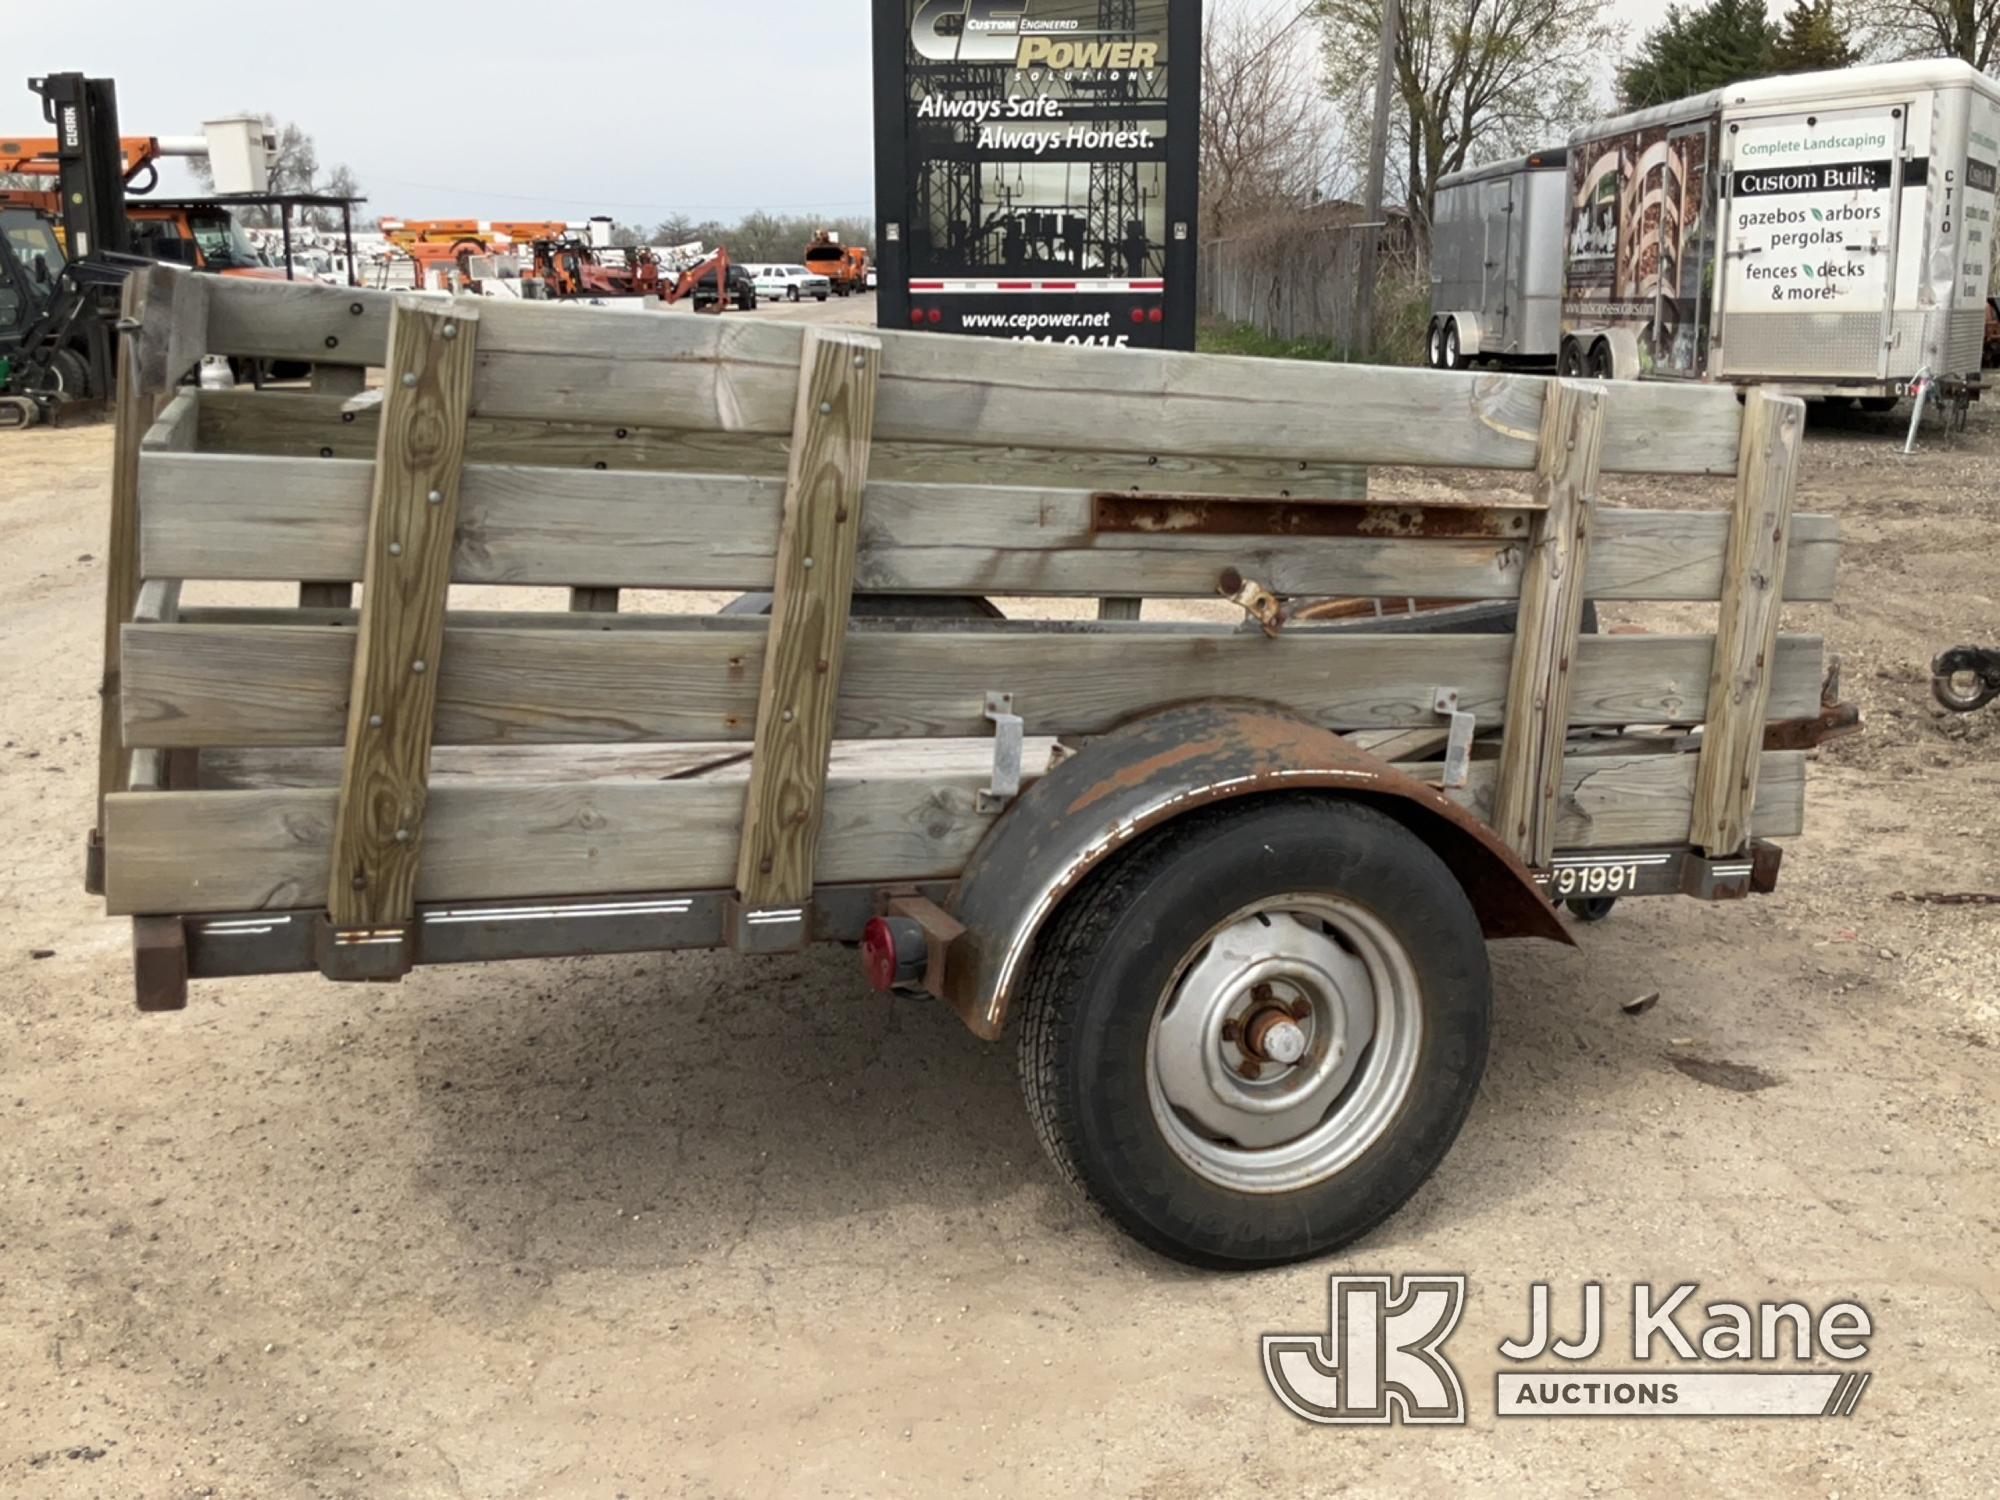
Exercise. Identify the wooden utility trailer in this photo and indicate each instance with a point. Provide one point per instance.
(1248, 951)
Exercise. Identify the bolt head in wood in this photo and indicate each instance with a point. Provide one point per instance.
(402, 835)
(825, 408)
(436, 497)
(450, 330)
(410, 378)
(374, 721)
(805, 562)
(395, 549)
(416, 666)
(786, 716)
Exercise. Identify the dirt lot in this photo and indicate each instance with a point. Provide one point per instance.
(711, 1226)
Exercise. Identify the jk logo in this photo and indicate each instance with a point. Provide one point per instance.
(1380, 1359)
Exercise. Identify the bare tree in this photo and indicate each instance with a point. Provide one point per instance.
(1966, 29)
(295, 169)
(1266, 131)
(1476, 80)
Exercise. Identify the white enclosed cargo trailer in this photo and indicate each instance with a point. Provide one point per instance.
(1496, 263)
(1830, 233)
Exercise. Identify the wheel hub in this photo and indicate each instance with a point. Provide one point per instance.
(1269, 1064)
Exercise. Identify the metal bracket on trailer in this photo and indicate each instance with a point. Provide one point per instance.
(1007, 736)
(1458, 743)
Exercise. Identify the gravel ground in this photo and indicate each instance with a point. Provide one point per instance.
(702, 1225)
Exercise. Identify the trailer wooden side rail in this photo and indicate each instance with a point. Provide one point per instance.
(364, 790)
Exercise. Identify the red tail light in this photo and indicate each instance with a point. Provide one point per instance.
(1156, 316)
(916, 315)
(936, 316)
(1138, 315)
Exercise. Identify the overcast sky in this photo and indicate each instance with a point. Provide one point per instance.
(519, 108)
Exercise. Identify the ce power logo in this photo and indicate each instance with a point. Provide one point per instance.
(1381, 1358)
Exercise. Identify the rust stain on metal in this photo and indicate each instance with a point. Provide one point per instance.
(1140, 772)
(1127, 512)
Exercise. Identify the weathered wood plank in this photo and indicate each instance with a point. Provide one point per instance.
(223, 685)
(818, 536)
(379, 824)
(142, 387)
(293, 424)
(1545, 639)
(228, 516)
(175, 430)
(736, 375)
(173, 316)
(1747, 622)
(241, 851)
(296, 319)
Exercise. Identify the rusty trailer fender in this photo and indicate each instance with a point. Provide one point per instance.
(1153, 769)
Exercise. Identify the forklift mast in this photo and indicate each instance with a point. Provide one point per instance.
(91, 170)
(61, 346)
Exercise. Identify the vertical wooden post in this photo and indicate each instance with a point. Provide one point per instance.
(818, 537)
(332, 380)
(163, 318)
(412, 519)
(1545, 632)
(1119, 607)
(1746, 627)
(584, 599)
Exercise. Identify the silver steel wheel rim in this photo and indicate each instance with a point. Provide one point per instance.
(1437, 346)
(1450, 348)
(1346, 986)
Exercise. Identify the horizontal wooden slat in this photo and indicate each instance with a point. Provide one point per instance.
(177, 428)
(294, 320)
(302, 425)
(240, 851)
(229, 516)
(737, 374)
(212, 685)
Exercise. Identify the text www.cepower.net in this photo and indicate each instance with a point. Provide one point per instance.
(1069, 327)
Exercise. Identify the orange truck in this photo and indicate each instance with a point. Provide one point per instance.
(844, 266)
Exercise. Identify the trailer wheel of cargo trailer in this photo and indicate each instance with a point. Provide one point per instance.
(1449, 356)
(1251, 1038)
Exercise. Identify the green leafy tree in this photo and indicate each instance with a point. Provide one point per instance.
(1697, 49)
(1812, 37)
(1475, 79)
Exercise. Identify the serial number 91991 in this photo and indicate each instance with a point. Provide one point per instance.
(1594, 880)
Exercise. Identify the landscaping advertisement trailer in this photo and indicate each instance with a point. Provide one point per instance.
(1830, 231)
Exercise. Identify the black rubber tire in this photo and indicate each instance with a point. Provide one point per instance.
(1450, 357)
(1109, 954)
(1569, 363)
(1591, 908)
(791, 294)
(67, 374)
(1598, 365)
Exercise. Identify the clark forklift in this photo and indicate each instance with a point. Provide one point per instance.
(59, 296)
